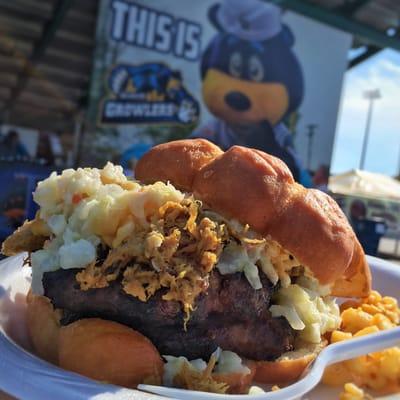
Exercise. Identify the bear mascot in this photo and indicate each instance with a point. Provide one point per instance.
(251, 80)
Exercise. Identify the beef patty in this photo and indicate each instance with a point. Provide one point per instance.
(230, 314)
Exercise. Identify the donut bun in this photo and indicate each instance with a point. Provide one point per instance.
(99, 349)
(177, 161)
(288, 367)
(258, 189)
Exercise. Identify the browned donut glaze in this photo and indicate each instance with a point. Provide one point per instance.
(177, 162)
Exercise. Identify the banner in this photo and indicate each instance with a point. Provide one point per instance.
(234, 72)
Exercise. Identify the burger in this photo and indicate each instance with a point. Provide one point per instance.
(210, 271)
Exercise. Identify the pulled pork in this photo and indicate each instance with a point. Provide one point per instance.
(177, 251)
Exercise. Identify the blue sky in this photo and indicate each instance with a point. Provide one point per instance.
(383, 72)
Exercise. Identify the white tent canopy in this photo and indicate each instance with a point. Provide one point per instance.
(364, 183)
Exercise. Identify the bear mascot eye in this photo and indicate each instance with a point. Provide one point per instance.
(236, 64)
(256, 69)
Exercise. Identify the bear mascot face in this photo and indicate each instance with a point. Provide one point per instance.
(251, 81)
(250, 73)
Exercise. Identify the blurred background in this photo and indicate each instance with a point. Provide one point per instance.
(314, 82)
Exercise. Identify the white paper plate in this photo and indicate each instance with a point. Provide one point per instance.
(27, 377)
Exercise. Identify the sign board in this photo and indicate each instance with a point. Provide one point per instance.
(169, 70)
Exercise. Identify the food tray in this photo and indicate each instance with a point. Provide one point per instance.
(27, 377)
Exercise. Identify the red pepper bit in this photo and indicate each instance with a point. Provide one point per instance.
(77, 197)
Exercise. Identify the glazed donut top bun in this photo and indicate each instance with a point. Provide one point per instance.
(177, 162)
(258, 189)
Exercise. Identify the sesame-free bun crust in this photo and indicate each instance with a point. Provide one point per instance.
(258, 189)
(43, 323)
(245, 185)
(177, 161)
(288, 367)
(111, 352)
(357, 276)
(99, 349)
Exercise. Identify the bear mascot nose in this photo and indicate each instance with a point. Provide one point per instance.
(238, 101)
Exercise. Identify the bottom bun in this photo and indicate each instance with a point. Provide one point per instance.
(289, 366)
(109, 352)
(43, 324)
(114, 353)
(96, 348)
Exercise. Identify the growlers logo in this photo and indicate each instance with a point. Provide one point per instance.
(148, 93)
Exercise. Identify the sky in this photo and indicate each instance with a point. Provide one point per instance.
(382, 72)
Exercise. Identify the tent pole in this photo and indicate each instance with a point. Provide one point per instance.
(77, 139)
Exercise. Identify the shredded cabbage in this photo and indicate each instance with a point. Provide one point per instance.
(87, 206)
(77, 254)
(290, 313)
(226, 362)
(306, 311)
(233, 259)
(251, 273)
(254, 390)
(42, 261)
(57, 224)
(174, 365)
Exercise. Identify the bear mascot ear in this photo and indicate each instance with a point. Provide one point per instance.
(287, 35)
(205, 61)
(212, 16)
(211, 54)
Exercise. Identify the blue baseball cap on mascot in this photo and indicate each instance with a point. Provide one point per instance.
(251, 79)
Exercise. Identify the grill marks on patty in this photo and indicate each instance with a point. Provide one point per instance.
(230, 314)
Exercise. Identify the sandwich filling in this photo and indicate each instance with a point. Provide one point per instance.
(156, 242)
